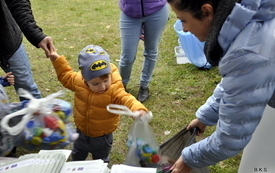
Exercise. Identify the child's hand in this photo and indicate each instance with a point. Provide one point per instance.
(8, 78)
(139, 112)
(145, 116)
(142, 112)
(54, 55)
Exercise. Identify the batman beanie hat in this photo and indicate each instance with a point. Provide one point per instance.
(93, 62)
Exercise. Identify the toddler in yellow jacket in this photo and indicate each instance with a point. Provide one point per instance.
(97, 85)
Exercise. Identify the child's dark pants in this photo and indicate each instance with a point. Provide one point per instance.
(99, 147)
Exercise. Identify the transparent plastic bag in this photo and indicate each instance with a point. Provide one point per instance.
(45, 123)
(4, 102)
(6, 107)
(6, 142)
(143, 148)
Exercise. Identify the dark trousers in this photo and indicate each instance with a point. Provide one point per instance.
(12, 153)
(99, 147)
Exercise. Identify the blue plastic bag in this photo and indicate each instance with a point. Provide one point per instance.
(192, 47)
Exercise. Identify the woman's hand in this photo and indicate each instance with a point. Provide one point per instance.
(180, 167)
(196, 123)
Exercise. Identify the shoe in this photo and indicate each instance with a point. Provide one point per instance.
(143, 94)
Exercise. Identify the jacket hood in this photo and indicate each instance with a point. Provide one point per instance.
(230, 21)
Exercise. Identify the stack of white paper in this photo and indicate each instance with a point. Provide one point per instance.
(131, 169)
(54, 161)
(46, 161)
(91, 166)
(4, 160)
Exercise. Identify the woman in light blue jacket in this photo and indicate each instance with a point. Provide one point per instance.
(240, 39)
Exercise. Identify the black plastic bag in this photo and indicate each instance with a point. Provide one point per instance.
(172, 147)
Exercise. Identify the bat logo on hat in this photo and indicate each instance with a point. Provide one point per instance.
(98, 65)
(102, 53)
(90, 50)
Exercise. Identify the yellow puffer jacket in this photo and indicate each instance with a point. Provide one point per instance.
(90, 114)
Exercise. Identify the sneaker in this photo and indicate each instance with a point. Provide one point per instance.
(143, 94)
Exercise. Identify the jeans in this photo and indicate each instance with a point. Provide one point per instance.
(21, 69)
(130, 31)
(100, 147)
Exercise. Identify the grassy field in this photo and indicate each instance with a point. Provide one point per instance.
(177, 90)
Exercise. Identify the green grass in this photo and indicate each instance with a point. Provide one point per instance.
(177, 91)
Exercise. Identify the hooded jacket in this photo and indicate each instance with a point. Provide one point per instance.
(140, 8)
(247, 41)
(16, 17)
(90, 114)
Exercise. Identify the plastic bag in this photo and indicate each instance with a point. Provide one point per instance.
(45, 123)
(192, 47)
(4, 102)
(143, 149)
(173, 147)
(6, 143)
(6, 140)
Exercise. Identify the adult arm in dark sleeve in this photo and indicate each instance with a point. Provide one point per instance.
(22, 13)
